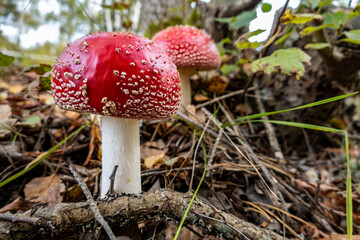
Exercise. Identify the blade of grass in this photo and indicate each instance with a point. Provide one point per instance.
(43, 156)
(349, 210)
(193, 197)
(201, 180)
(302, 125)
(259, 115)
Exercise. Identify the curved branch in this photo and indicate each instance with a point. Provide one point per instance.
(68, 217)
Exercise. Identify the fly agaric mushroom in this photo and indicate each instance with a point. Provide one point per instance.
(190, 49)
(123, 77)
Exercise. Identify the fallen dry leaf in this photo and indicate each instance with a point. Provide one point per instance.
(201, 98)
(218, 84)
(323, 188)
(44, 189)
(15, 89)
(152, 160)
(5, 111)
(335, 236)
(14, 206)
(7, 126)
(196, 115)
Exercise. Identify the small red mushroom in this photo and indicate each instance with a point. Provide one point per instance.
(190, 49)
(123, 77)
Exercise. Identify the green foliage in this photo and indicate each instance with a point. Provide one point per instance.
(324, 3)
(266, 7)
(317, 46)
(155, 27)
(226, 69)
(5, 60)
(334, 20)
(300, 18)
(312, 29)
(287, 61)
(352, 36)
(40, 69)
(243, 41)
(241, 20)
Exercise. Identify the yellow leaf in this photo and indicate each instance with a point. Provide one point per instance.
(152, 160)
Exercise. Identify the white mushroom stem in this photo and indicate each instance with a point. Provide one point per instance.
(121, 147)
(185, 74)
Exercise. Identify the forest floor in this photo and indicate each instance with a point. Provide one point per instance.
(310, 182)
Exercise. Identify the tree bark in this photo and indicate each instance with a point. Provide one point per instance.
(65, 218)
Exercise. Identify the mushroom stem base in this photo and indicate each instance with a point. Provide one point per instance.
(121, 147)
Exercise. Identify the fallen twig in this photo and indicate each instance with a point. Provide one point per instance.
(92, 203)
(270, 131)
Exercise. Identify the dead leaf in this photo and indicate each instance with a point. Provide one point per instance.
(14, 206)
(335, 236)
(44, 190)
(152, 160)
(7, 126)
(218, 84)
(323, 189)
(201, 98)
(5, 111)
(247, 68)
(196, 115)
(15, 89)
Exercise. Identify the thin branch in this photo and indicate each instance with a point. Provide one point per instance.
(238, 92)
(21, 219)
(92, 203)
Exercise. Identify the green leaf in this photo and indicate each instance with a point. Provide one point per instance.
(40, 69)
(246, 45)
(287, 61)
(266, 7)
(31, 121)
(225, 20)
(352, 36)
(228, 68)
(284, 37)
(300, 18)
(354, 13)
(45, 82)
(311, 29)
(5, 60)
(243, 19)
(324, 3)
(255, 33)
(243, 43)
(220, 46)
(317, 46)
(337, 19)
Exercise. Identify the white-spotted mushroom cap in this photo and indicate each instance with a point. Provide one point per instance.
(116, 74)
(188, 46)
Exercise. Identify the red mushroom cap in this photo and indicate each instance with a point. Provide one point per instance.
(188, 46)
(116, 74)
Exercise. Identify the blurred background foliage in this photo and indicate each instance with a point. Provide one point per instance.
(75, 18)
